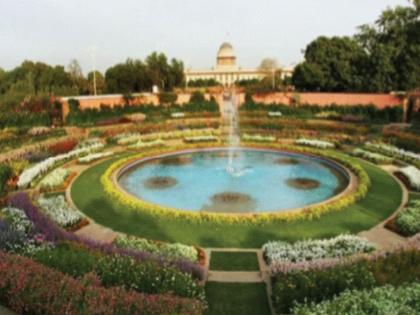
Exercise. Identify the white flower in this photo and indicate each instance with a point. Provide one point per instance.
(315, 143)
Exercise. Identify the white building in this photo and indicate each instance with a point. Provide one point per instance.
(227, 72)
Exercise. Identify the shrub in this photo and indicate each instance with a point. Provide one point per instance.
(116, 270)
(412, 174)
(395, 152)
(28, 175)
(316, 286)
(314, 281)
(55, 179)
(62, 147)
(175, 250)
(308, 250)
(408, 219)
(52, 233)
(59, 211)
(167, 98)
(315, 143)
(373, 157)
(383, 300)
(30, 288)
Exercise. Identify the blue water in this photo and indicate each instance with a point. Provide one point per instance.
(260, 177)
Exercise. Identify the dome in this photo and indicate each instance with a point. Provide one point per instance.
(226, 50)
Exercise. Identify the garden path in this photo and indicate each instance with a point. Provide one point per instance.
(379, 234)
(241, 276)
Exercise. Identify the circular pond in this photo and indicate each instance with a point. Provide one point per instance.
(235, 181)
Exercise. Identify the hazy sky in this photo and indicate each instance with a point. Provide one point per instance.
(55, 31)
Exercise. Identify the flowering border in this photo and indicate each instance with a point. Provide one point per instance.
(307, 213)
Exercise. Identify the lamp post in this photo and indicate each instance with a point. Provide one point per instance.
(273, 80)
(92, 53)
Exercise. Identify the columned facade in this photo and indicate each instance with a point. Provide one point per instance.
(226, 71)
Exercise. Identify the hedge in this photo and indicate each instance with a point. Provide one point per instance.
(310, 212)
(28, 287)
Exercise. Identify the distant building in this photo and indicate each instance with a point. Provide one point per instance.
(227, 72)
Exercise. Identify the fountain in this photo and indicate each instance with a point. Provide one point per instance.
(230, 113)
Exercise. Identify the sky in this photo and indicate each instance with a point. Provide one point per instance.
(56, 31)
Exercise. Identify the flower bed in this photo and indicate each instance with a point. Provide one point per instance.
(141, 144)
(171, 250)
(28, 175)
(41, 290)
(15, 230)
(177, 115)
(77, 260)
(126, 139)
(407, 221)
(258, 138)
(373, 157)
(412, 175)
(394, 152)
(383, 300)
(274, 114)
(59, 211)
(93, 157)
(315, 143)
(55, 179)
(62, 147)
(311, 212)
(201, 139)
(319, 280)
(337, 247)
(52, 233)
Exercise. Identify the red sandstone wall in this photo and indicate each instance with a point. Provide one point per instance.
(323, 99)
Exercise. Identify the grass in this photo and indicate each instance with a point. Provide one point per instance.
(237, 298)
(383, 199)
(234, 261)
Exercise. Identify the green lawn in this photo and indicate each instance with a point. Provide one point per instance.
(383, 198)
(237, 298)
(234, 261)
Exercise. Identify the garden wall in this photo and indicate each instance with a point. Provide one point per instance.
(117, 99)
(324, 99)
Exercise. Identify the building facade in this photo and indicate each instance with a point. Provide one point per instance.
(226, 71)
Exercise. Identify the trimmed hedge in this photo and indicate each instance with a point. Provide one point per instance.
(311, 212)
(31, 288)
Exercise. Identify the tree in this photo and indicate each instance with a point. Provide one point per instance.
(76, 77)
(268, 64)
(381, 57)
(197, 97)
(100, 82)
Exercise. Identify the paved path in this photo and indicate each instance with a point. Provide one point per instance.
(379, 234)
